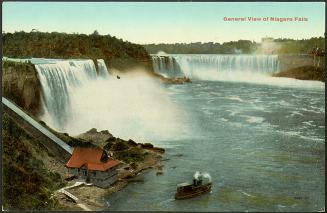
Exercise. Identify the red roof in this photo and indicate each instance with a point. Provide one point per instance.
(90, 158)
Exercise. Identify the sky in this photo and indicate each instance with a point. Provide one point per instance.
(168, 22)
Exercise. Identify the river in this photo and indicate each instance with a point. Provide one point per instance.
(263, 142)
(262, 139)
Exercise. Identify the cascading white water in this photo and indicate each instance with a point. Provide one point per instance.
(166, 65)
(103, 71)
(215, 67)
(59, 79)
(135, 106)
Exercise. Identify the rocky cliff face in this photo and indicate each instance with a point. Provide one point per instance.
(20, 84)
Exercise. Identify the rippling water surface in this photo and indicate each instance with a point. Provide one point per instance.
(263, 145)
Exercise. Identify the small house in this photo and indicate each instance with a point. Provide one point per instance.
(93, 165)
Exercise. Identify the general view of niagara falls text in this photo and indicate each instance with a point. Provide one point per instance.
(163, 106)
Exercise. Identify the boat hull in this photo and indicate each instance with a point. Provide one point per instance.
(196, 191)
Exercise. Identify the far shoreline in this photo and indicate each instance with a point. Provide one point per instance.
(304, 73)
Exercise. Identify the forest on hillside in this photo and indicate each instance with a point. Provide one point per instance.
(283, 46)
(241, 46)
(116, 52)
(303, 46)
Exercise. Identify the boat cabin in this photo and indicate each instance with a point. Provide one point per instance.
(197, 182)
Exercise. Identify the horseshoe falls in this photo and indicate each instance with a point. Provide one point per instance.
(254, 69)
(216, 66)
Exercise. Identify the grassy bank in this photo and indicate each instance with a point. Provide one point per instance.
(28, 183)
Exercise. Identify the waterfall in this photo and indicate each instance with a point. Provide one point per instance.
(103, 71)
(59, 80)
(76, 99)
(166, 65)
(208, 67)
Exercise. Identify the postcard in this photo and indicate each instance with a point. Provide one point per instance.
(163, 106)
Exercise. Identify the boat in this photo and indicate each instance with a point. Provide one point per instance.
(187, 190)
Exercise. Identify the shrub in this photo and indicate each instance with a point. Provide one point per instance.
(119, 146)
(27, 184)
(147, 145)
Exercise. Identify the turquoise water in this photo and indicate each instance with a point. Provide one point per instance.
(263, 145)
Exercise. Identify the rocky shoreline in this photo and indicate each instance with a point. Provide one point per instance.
(176, 80)
(145, 156)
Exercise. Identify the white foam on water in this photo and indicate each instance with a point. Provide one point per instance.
(236, 98)
(309, 123)
(253, 119)
(223, 119)
(247, 194)
(296, 113)
(265, 79)
(234, 112)
(310, 110)
(300, 135)
(284, 103)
